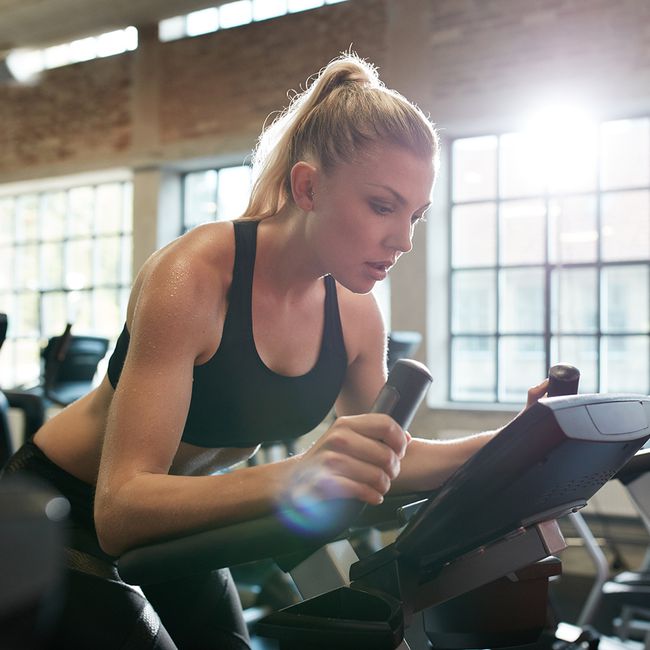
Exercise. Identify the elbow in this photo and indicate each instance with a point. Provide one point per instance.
(109, 531)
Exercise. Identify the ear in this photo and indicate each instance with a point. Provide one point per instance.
(303, 181)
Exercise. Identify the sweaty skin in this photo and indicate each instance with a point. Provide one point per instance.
(353, 223)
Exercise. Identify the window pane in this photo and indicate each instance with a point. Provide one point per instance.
(26, 271)
(54, 313)
(473, 302)
(581, 352)
(263, 9)
(108, 208)
(521, 365)
(6, 268)
(80, 311)
(81, 211)
(6, 363)
(624, 361)
(171, 29)
(473, 369)
(53, 215)
(108, 252)
(202, 21)
(474, 235)
(573, 234)
(200, 191)
(522, 234)
(234, 190)
(574, 306)
(625, 154)
(25, 315)
(625, 295)
(521, 301)
(7, 221)
(474, 168)
(27, 218)
(79, 264)
(572, 161)
(520, 173)
(108, 312)
(626, 226)
(234, 14)
(127, 207)
(7, 303)
(26, 361)
(303, 5)
(51, 265)
(126, 266)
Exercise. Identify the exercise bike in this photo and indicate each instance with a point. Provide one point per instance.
(473, 560)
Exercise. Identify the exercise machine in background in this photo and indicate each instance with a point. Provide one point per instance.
(68, 366)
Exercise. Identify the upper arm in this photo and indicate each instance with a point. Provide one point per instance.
(150, 405)
(365, 336)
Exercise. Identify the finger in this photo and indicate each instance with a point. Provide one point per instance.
(377, 426)
(537, 392)
(348, 442)
(338, 486)
(359, 470)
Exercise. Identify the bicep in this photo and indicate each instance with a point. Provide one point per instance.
(150, 405)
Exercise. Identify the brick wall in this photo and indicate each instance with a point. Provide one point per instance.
(77, 111)
(501, 56)
(205, 95)
(470, 63)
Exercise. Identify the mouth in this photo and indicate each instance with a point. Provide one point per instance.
(379, 270)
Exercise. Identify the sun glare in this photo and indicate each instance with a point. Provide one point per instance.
(563, 143)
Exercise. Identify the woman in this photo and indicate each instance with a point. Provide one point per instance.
(240, 333)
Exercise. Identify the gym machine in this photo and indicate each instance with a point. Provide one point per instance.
(473, 559)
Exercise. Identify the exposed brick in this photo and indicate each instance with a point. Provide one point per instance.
(481, 56)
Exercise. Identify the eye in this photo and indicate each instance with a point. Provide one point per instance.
(418, 218)
(381, 209)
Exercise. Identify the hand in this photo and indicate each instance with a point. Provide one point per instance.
(357, 458)
(535, 393)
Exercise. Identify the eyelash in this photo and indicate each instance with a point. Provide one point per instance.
(384, 210)
(381, 210)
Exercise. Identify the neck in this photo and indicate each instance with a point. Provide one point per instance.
(284, 261)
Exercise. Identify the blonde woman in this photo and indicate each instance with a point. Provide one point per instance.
(245, 332)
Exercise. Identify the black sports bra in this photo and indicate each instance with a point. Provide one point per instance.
(237, 401)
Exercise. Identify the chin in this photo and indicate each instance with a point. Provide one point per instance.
(359, 286)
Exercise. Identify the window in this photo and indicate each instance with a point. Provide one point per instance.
(232, 14)
(215, 195)
(65, 256)
(26, 64)
(550, 259)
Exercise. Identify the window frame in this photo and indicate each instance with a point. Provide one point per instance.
(600, 335)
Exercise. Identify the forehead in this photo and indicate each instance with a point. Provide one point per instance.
(398, 168)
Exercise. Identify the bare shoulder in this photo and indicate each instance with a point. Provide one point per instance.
(362, 322)
(182, 287)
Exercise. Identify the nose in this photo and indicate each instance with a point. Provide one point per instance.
(402, 237)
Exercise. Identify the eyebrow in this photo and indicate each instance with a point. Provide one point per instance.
(398, 197)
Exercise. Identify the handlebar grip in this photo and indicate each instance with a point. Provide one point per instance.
(401, 395)
(563, 380)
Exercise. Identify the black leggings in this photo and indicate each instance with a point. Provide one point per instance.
(100, 611)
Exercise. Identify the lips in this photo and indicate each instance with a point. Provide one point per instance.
(379, 270)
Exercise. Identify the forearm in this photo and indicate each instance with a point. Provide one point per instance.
(150, 507)
(429, 463)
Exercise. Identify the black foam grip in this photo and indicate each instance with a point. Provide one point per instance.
(563, 380)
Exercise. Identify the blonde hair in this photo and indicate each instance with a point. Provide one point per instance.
(344, 109)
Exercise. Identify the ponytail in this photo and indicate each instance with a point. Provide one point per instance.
(345, 108)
